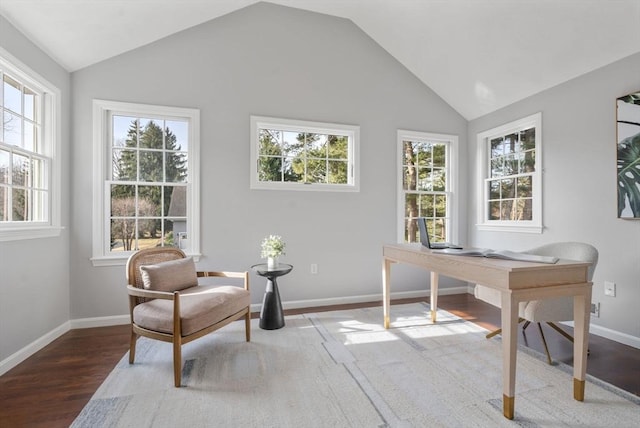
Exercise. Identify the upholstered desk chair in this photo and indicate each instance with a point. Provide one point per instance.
(549, 310)
(167, 303)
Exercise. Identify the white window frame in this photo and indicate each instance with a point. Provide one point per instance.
(451, 173)
(102, 111)
(352, 132)
(525, 226)
(50, 138)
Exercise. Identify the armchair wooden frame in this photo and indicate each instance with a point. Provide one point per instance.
(138, 294)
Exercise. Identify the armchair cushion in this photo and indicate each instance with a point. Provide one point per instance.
(200, 307)
(173, 275)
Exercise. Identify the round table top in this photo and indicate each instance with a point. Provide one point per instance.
(263, 269)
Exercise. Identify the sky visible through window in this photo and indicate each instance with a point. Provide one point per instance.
(121, 125)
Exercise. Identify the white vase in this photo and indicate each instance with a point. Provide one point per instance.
(272, 263)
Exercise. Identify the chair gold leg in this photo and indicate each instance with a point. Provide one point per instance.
(561, 331)
(544, 342)
(494, 333)
(499, 331)
(564, 333)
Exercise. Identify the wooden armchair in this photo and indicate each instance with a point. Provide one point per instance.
(167, 303)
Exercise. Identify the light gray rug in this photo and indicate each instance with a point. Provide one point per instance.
(343, 369)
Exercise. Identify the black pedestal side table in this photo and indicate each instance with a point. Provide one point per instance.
(271, 314)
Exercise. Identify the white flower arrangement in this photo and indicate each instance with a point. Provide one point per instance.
(272, 246)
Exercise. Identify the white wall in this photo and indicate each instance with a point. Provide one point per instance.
(34, 274)
(272, 61)
(579, 184)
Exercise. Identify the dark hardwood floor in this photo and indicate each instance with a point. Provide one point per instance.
(51, 387)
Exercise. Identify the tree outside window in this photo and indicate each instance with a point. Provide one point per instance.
(512, 160)
(24, 183)
(303, 157)
(511, 196)
(145, 179)
(425, 185)
(296, 155)
(149, 165)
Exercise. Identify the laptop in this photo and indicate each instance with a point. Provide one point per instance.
(424, 238)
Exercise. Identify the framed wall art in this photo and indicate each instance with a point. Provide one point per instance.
(628, 155)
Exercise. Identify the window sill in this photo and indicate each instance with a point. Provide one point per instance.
(121, 260)
(510, 227)
(31, 232)
(314, 187)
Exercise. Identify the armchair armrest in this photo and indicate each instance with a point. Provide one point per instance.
(151, 294)
(227, 274)
(165, 295)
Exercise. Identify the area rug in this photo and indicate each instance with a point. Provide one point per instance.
(343, 369)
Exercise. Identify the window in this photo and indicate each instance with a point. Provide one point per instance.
(296, 155)
(146, 179)
(511, 176)
(426, 185)
(29, 160)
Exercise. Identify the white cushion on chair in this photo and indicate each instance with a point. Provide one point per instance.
(487, 294)
(549, 310)
(493, 297)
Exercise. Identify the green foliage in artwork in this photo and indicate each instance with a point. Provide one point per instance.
(631, 98)
(629, 174)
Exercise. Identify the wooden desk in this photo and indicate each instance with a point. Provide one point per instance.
(517, 281)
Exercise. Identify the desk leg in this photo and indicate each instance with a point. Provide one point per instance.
(386, 289)
(434, 295)
(509, 349)
(581, 316)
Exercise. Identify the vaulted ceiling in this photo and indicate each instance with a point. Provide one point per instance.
(478, 55)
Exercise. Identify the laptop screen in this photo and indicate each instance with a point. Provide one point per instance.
(424, 235)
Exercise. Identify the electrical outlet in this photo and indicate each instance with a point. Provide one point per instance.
(314, 268)
(595, 309)
(610, 288)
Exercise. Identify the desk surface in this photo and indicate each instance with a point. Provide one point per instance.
(496, 273)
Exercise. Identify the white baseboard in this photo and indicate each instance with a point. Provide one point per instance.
(24, 353)
(616, 336)
(100, 321)
(296, 304)
(607, 333)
